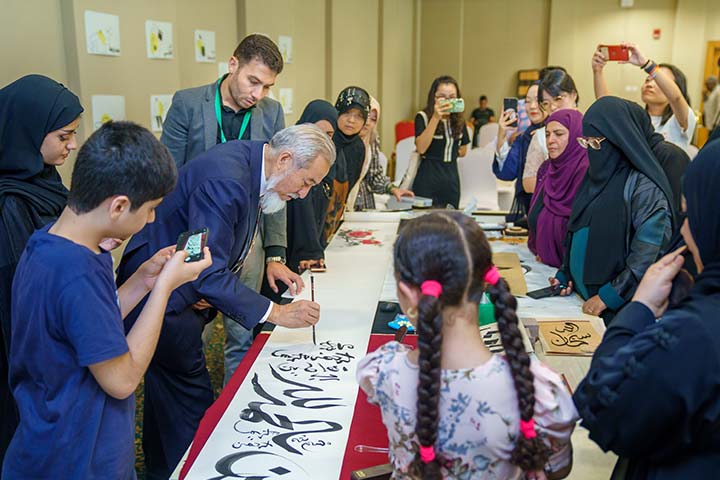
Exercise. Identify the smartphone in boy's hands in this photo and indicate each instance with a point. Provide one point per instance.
(193, 242)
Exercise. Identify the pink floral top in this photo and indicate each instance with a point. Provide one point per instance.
(479, 418)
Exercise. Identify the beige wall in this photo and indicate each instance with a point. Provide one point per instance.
(576, 28)
(305, 23)
(336, 44)
(54, 44)
(491, 56)
(354, 57)
(482, 44)
(31, 42)
(394, 48)
(396, 90)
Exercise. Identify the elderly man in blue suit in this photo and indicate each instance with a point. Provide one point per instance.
(237, 106)
(224, 190)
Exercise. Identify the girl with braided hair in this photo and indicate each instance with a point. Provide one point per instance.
(452, 408)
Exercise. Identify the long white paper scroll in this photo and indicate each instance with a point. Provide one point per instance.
(291, 417)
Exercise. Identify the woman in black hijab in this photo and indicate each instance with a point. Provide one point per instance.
(306, 216)
(673, 159)
(651, 395)
(622, 215)
(353, 106)
(38, 121)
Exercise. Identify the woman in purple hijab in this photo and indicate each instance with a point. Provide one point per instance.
(558, 181)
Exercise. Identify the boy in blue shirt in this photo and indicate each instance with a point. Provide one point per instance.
(72, 369)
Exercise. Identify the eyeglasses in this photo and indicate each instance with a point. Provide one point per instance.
(354, 114)
(553, 102)
(592, 142)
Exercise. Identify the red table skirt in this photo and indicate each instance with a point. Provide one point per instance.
(366, 428)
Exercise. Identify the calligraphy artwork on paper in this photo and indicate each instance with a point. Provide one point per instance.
(570, 337)
(354, 238)
(292, 415)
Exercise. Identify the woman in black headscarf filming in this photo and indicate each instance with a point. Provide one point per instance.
(622, 216)
(38, 121)
(651, 395)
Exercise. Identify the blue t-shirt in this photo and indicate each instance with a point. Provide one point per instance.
(65, 317)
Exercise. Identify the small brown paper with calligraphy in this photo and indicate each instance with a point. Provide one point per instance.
(509, 266)
(569, 337)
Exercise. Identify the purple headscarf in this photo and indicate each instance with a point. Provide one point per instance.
(558, 182)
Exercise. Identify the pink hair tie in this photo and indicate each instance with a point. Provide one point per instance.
(427, 454)
(528, 429)
(431, 288)
(492, 275)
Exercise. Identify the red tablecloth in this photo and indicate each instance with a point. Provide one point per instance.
(366, 428)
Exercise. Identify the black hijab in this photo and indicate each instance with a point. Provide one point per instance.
(30, 108)
(672, 159)
(306, 216)
(319, 110)
(701, 186)
(600, 202)
(350, 157)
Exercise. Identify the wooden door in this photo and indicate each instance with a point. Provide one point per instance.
(712, 58)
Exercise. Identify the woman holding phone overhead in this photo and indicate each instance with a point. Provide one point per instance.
(509, 162)
(440, 138)
(664, 93)
(39, 118)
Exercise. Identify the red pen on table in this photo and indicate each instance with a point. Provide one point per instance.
(312, 297)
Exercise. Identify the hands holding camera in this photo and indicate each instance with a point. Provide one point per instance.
(442, 108)
(507, 117)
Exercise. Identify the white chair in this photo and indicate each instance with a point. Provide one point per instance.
(487, 133)
(403, 150)
(477, 179)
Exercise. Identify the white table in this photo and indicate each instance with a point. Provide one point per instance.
(350, 299)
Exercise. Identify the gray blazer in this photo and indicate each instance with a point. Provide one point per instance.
(190, 129)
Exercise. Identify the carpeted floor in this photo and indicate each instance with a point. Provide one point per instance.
(214, 358)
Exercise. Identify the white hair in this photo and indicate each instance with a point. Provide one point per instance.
(306, 142)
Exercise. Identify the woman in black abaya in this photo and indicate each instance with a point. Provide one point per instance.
(38, 121)
(651, 393)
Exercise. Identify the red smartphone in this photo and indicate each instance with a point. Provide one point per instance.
(615, 53)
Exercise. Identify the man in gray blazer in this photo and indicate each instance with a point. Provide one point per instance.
(237, 107)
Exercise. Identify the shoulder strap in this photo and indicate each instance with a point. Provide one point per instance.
(424, 116)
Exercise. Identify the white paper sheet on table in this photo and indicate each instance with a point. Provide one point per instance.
(537, 277)
(291, 416)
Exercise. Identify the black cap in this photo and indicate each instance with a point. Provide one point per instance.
(353, 97)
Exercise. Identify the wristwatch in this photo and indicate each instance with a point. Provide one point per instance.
(275, 259)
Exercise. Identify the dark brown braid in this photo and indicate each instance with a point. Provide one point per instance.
(433, 247)
(529, 454)
(451, 248)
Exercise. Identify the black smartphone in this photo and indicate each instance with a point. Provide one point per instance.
(546, 292)
(511, 103)
(193, 242)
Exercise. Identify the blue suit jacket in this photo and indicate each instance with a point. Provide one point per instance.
(222, 193)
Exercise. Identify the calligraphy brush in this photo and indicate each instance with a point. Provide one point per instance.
(312, 297)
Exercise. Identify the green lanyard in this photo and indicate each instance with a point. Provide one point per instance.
(218, 115)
